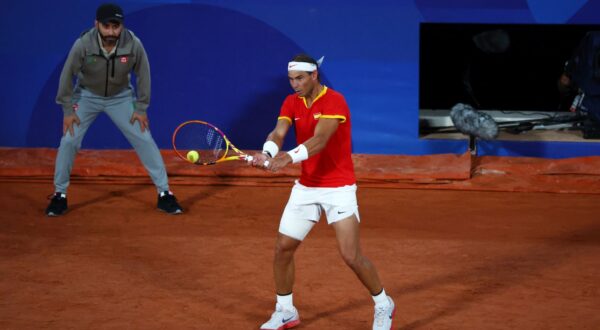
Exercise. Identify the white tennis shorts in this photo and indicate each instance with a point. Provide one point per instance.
(304, 207)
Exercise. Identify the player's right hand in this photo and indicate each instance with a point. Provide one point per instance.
(68, 122)
(280, 161)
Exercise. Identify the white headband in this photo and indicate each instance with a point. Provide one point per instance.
(304, 66)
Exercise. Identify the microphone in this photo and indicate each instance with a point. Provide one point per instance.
(469, 121)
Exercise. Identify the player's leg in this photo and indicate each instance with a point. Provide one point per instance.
(347, 234)
(87, 110)
(283, 264)
(286, 315)
(341, 207)
(120, 109)
(298, 218)
(296, 222)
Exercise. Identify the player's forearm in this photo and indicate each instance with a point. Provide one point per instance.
(315, 144)
(275, 138)
(323, 132)
(307, 149)
(278, 134)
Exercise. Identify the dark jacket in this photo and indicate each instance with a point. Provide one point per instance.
(105, 76)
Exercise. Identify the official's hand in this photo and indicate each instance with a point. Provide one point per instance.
(142, 119)
(68, 122)
(280, 161)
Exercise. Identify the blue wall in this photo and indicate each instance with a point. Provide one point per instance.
(224, 62)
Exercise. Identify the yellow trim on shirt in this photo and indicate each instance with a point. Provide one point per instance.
(286, 118)
(343, 118)
(316, 98)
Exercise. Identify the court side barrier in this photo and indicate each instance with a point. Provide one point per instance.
(440, 171)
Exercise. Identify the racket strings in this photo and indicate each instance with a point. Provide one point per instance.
(208, 142)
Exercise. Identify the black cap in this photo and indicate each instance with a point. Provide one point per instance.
(109, 12)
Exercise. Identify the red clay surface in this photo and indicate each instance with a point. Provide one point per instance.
(451, 259)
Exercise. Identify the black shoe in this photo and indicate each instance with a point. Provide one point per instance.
(168, 203)
(58, 205)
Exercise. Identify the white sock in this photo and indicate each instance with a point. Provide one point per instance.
(286, 301)
(381, 299)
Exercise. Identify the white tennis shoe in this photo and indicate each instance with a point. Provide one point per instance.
(382, 319)
(282, 319)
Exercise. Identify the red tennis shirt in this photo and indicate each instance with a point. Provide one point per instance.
(332, 167)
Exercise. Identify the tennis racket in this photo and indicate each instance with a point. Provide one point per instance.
(209, 142)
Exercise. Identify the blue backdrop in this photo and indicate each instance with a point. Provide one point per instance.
(224, 62)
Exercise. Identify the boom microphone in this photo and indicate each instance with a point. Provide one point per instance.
(469, 121)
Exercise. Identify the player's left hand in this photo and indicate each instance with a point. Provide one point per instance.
(259, 159)
(278, 162)
(142, 119)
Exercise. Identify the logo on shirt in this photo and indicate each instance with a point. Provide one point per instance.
(317, 115)
(297, 118)
(124, 59)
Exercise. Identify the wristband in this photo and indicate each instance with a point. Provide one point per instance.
(270, 149)
(298, 154)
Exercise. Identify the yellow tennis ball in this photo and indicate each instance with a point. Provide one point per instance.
(193, 156)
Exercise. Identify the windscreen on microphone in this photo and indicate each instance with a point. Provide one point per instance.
(469, 121)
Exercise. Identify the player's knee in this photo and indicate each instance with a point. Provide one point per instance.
(352, 257)
(284, 250)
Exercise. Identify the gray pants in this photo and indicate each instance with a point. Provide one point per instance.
(119, 108)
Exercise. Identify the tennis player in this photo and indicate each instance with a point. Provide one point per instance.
(321, 119)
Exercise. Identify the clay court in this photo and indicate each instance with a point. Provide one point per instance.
(492, 243)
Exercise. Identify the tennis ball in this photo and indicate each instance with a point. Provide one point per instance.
(193, 156)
